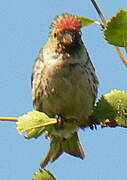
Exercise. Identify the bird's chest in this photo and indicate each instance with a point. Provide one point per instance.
(61, 78)
(65, 89)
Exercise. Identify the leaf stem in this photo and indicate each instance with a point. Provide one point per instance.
(123, 58)
(8, 118)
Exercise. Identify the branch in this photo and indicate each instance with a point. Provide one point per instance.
(8, 118)
(123, 58)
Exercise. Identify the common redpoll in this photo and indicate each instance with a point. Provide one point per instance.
(65, 85)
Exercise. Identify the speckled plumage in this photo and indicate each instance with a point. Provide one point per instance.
(64, 80)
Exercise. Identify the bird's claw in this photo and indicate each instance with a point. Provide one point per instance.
(60, 121)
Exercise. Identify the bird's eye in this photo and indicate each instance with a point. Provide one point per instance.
(80, 33)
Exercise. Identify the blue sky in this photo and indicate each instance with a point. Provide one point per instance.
(24, 29)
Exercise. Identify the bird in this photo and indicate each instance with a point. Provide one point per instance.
(64, 86)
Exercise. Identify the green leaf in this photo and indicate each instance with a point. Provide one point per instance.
(112, 105)
(104, 109)
(88, 21)
(115, 31)
(34, 123)
(43, 174)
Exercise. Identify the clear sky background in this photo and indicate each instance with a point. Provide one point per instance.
(24, 29)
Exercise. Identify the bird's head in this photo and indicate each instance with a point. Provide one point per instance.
(66, 29)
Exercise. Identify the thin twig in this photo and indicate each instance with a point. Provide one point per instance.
(7, 118)
(99, 12)
(123, 58)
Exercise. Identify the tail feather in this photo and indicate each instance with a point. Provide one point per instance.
(73, 146)
(59, 145)
(54, 152)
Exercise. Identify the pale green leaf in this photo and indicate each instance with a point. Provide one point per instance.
(88, 21)
(34, 123)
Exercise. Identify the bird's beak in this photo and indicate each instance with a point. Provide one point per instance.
(67, 39)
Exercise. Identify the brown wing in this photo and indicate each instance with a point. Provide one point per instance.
(36, 81)
(93, 80)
